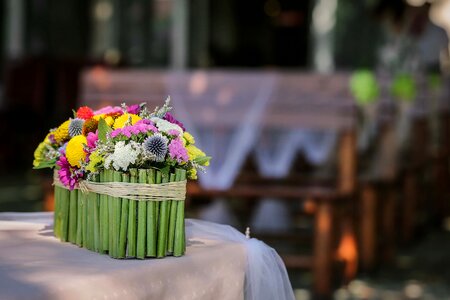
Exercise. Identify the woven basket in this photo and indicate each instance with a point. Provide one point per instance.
(136, 214)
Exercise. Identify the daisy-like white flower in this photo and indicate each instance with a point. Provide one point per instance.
(166, 126)
(123, 156)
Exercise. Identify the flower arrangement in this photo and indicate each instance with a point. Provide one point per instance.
(120, 179)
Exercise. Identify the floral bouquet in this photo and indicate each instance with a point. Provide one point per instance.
(120, 179)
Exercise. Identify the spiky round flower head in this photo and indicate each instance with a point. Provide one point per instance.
(61, 134)
(75, 150)
(156, 145)
(123, 120)
(76, 127)
(85, 113)
(90, 125)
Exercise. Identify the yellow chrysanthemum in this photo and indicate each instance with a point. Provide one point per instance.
(188, 138)
(123, 119)
(61, 134)
(98, 117)
(109, 120)
(74, 150)
(194, 152)
(39, 155)
(94, 159)
(192, 173)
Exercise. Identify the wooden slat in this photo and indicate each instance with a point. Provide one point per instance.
(297, 261)
(252, 191)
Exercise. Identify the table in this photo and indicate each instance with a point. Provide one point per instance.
(35, 265)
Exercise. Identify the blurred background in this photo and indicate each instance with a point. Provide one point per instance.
(328, 121)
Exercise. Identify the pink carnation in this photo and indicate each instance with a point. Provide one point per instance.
(92, 139)
(177, 151)
(108, 110)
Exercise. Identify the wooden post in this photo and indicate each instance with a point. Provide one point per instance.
(368, 226)
(388, 222)
(322, 257)
(347, 162)
(409, 206)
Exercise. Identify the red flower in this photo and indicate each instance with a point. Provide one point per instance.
(85, 113)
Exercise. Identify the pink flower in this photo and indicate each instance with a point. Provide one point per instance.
(174, 132)
(168, 117)
(115, 133)
(92, 139)
(133, 109)
(126, 131)
(177, 151)
(68, 175)
(108, 110)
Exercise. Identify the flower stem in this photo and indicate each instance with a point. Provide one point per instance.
(179, 243)
(142, 220)
(132, 219)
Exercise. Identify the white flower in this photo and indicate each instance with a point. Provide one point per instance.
(123, 156)
(166, 126)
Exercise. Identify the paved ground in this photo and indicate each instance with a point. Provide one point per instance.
(420, 271)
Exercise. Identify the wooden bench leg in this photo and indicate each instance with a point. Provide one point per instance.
(368, 235)
(388, 222)
(409, 203)
(322, 257)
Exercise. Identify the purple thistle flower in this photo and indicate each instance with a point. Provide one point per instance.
(157, 146)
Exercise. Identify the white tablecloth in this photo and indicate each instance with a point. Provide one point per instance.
(219, 264)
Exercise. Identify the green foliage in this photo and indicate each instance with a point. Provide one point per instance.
(404, 88)
(203, 160)
(46, 164)
(434, 81)
(103, 130)
(364, 87)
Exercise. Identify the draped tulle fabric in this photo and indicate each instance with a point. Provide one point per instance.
(277, 149)
(225, 114)
(266, 276)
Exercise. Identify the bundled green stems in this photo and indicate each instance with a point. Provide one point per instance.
(122, 227)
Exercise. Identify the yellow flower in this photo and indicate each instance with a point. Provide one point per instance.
(39, 154)
(192, 173)
(109, 120)
(98, 117)
(61, 134)
(188, 138)
(194, 152)
(94, 160)
(120, 121)
(74, 150)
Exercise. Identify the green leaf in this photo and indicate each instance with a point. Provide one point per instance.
(74, 114)
(202, 160)
(103, 130)
(46, 164)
